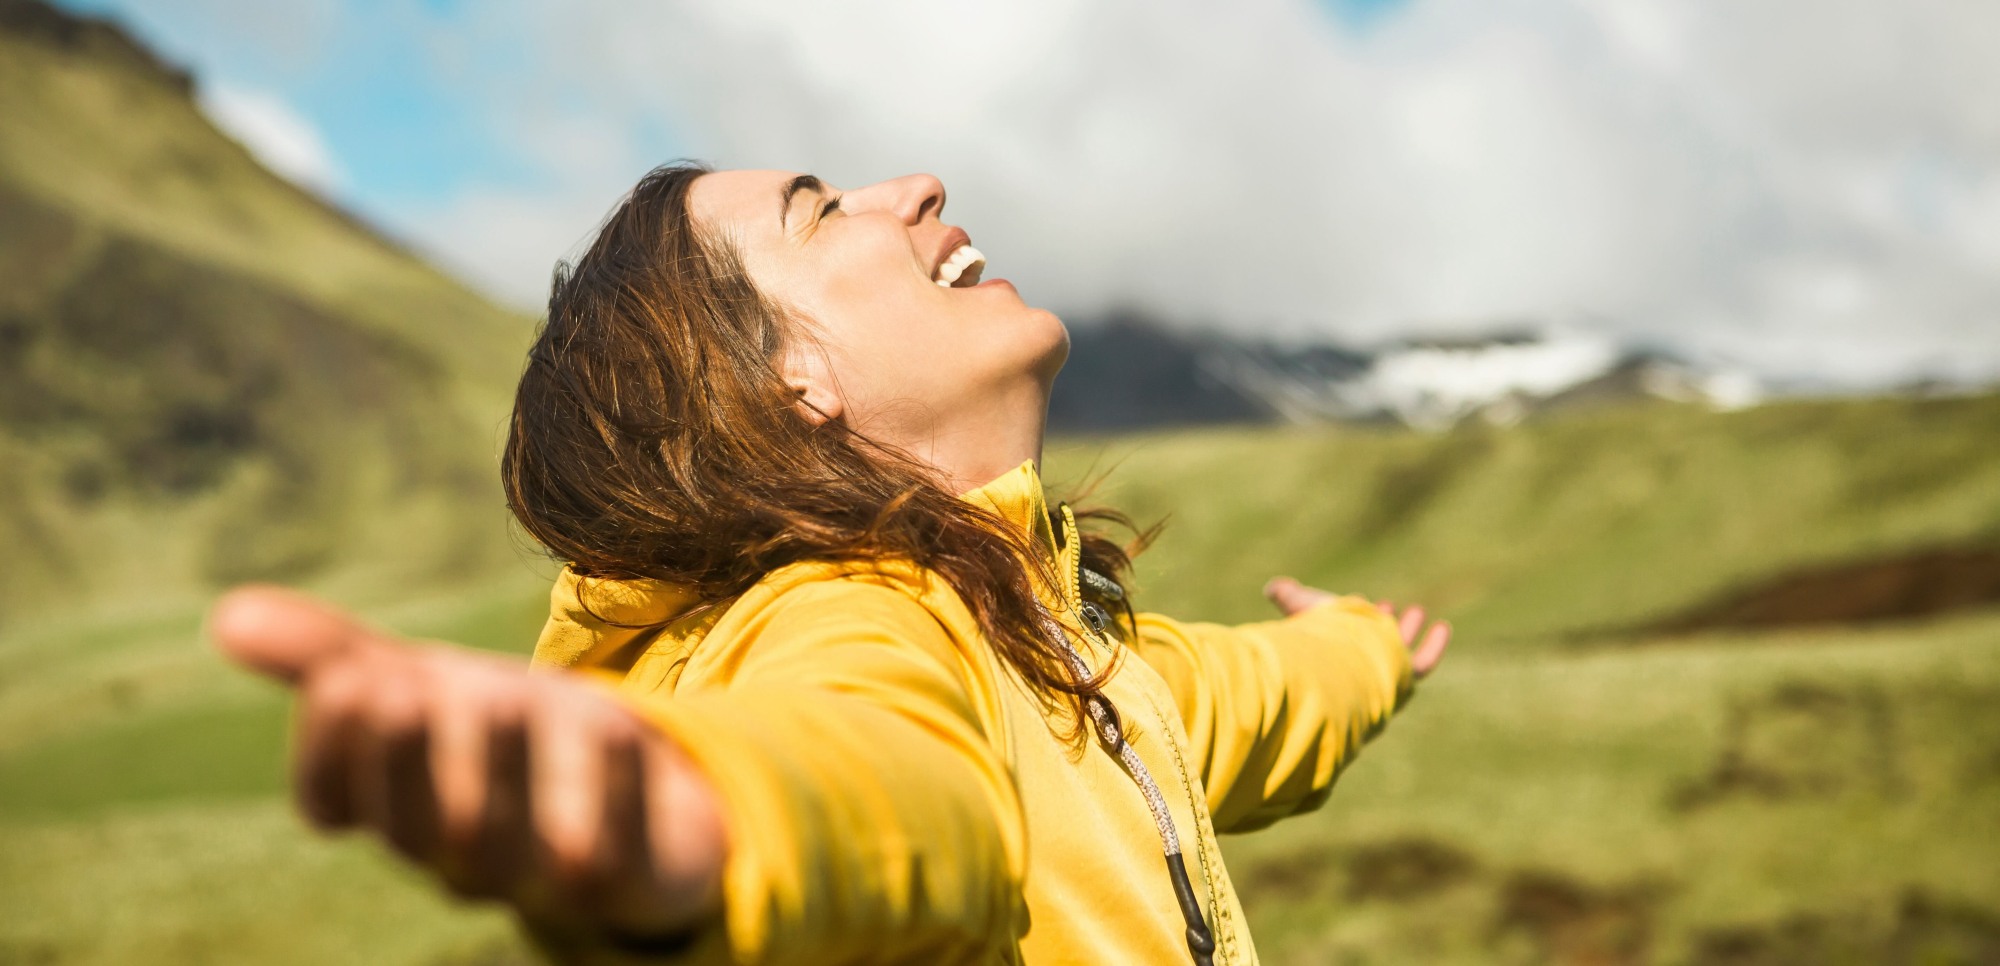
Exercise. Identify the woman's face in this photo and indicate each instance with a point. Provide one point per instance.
(891, 351)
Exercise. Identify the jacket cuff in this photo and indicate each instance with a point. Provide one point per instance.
(1373, 635)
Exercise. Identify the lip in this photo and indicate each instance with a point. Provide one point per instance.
(952, 239)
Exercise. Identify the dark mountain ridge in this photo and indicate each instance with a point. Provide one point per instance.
(1130, 372)
(99, 39)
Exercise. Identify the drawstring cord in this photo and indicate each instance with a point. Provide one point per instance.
(1200, 942)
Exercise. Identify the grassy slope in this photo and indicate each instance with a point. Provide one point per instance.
(207, 374)
(1578, 524)
(139, 802)
(134, 155)
(1783, 796)
(1627, 801)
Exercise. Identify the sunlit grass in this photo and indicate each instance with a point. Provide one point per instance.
(144, 820)
(1535, 534)
(1682, 788)
(1549, 796)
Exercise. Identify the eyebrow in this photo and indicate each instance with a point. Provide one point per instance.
(804, 182)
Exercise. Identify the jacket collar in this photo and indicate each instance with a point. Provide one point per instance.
(590, 618)
(1016, 496)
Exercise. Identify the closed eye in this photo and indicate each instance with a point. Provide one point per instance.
(832, 206)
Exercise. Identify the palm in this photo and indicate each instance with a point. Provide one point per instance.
(535, 789)
(1426, 645)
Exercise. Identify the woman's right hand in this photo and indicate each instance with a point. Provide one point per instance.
(530, 787)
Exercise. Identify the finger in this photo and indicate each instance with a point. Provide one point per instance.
(495, 855)
(1431, 651)
(685, 828)
(282, 633)
(1292, 596)
(394, 791)
(468, 706)
(330, 708)
(639, 897)
(1386, 607)
(625, 833)
(1411, 622)
(570, 730)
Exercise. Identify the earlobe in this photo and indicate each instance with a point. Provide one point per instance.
(810, 380)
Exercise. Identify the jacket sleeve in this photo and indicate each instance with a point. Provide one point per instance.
(871, 817)
(1276, 709)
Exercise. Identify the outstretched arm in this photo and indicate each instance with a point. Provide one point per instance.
(533, 788)
(1276, 709)
(825, 792)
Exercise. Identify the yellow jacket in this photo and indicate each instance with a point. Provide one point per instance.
(894, 794)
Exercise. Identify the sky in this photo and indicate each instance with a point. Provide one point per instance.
(1807, 188)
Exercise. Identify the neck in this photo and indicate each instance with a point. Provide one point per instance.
(972, 448)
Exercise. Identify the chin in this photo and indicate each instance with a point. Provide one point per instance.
(1054, 344)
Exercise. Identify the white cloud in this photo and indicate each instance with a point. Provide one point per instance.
(277, 134)
(1809, 186)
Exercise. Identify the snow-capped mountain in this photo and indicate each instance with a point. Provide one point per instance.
(1127, 373)
(1434, 384)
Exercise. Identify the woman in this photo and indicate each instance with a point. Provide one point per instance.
(846, 686)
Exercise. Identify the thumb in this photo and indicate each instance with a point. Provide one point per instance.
(282, 633)
(1292, 596)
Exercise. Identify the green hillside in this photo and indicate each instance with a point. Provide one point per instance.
(1565, 530)
(207, 374)
(1576, 787)
(1809, 794)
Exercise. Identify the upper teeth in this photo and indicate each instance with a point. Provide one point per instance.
(963, 259)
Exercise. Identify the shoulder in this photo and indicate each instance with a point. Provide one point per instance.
(881, 629)
(815, 581)
(868, 600)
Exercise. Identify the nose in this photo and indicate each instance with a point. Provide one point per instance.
(912, 197)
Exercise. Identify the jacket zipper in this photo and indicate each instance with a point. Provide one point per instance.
(1200, 935)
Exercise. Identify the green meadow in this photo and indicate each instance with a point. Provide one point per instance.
(1572, 787)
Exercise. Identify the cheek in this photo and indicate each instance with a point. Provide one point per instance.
(880, 344)
(877, 321)
(866, 285)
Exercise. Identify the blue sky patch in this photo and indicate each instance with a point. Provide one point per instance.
(1362, 14)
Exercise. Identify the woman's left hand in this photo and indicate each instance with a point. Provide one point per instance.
(1426, 646)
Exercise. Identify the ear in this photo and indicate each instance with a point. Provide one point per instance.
(809, 376)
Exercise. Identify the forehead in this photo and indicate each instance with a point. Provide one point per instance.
(741, 205)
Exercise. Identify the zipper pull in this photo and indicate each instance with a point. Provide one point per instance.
(1096, 617)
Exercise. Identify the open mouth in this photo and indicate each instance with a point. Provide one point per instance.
(961, 268)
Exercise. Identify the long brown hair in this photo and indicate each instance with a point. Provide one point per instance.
(652, 436)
